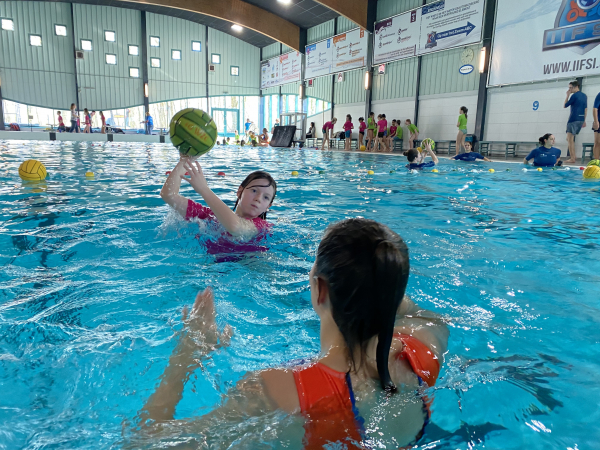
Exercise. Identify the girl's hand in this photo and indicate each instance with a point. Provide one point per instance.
(196, 179)
(428, 146)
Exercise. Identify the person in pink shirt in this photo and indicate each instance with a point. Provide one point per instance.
(61, 124)
(103, 119)
(88, 120)
(392, 134)
(348, 127)
(362, 126)
(246, 222)
(381, 129)
(328, 132)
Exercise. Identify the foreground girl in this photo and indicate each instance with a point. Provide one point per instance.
(254, 197)
(374, 341)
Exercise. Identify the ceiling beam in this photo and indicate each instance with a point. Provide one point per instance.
(240, 13)
(355, 10)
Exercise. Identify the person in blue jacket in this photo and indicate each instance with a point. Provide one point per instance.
(469, 155)
(149, 123)
(546, 155)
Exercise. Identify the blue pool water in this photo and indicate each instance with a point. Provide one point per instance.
(94, 274)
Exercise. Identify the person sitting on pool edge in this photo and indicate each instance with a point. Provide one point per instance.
(469, 155)
(413, 156)
(373, 339)
(248, 218)
(546, 155)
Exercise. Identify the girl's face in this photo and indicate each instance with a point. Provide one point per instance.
(406, 123)
(468, 146)
(255, 199)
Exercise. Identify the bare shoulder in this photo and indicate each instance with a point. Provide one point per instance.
(280, 386)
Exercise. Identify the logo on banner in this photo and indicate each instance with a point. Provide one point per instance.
(431, 40)
(577, 26)
(466, 69)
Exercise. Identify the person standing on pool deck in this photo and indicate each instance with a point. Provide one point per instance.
(373, 338)
(247, 126)
(546, 155)
(149, 123)
(73, 119)
(578, 104)
(381, 129)
(327, 132)
(348, 127)
(371, 128)
(413, 133)
(254, 197)
(462, 129)
(596, 128)
(362, 126)
(61, 123)
(413, 156)
(469, 155)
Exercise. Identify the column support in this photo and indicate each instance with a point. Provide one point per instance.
(74, 59)
(145, 64)
(333, 76)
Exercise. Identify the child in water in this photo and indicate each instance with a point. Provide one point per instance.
(373, 340)
(248, 218)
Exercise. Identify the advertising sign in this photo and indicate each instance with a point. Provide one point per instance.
(450, 23)
(537, 40)
(349, 50)
(397, 37)
(280, 70)
(318, 59)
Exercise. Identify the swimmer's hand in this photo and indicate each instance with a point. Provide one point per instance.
(197, 179)
(201, 324)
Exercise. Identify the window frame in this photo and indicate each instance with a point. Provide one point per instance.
(150, 41)
(159, 62)
(231, 71)
(36, 35)
(110, 54)
(137, 47)
(61, 25)
(110, 31)
(81, 45)
(197, 42)
(11, 21)
(137, 68)
(211, 58)
(180, 54)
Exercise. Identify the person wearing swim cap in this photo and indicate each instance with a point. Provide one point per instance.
(373, 339)
(248, 218)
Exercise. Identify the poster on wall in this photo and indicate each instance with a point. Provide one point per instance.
(537, 40)
(397, 37)
(349, 50)
(290, 66)
(318, 59)
(450, 23)
(269, 73)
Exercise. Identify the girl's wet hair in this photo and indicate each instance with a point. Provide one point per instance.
(464, 110)
(259, 175)
(366, 267)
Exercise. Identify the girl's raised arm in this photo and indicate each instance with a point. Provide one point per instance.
(170, 190)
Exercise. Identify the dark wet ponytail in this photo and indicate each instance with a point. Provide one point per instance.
(259, 175)
(544, 138)
(366, 267)
(465, 111)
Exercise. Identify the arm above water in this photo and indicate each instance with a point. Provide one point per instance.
(170, 190)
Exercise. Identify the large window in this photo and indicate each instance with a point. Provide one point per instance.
(162, 112)
(316, 106)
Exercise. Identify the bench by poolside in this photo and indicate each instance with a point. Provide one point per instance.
(510, 147)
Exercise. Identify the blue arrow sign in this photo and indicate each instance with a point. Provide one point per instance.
(466, 29)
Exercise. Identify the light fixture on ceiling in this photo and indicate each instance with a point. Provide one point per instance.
(285, 2)
(237, 28)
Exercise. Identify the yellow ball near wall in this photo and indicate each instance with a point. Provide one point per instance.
(32, 170)
(193, 132)
(591, 172)
(362, 148)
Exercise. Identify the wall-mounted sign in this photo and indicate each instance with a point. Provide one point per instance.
(340, 53)
(281, 70)
(397, 37)
(340, 77)
(381, 69)
(466, 69)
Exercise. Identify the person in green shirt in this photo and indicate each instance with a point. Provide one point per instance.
(371, 127)
(413, 133)
(462, 130)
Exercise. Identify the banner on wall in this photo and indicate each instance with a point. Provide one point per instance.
(537, 40)
(450, 23)
(281, 70)
(438, 26)
(340, 53)
(397, 37)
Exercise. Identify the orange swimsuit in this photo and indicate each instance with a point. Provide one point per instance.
(327, 400)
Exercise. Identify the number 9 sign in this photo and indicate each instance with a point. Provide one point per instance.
(536, 105)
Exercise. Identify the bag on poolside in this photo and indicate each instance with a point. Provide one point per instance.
(15, 127)
(118, 131)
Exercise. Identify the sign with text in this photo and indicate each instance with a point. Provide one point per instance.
(397, 37)
(281, 70)
(450, 23)
(340, 53)
(557, 41)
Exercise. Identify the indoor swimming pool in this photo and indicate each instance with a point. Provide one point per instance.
(94, 273)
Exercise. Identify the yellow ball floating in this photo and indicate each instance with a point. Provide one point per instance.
(294, 173)
(591, 172)
(89, 174)
(362, 148)
(539, 169)
(435, 171)
(370, 172)
(32, 170)
(491, 171)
